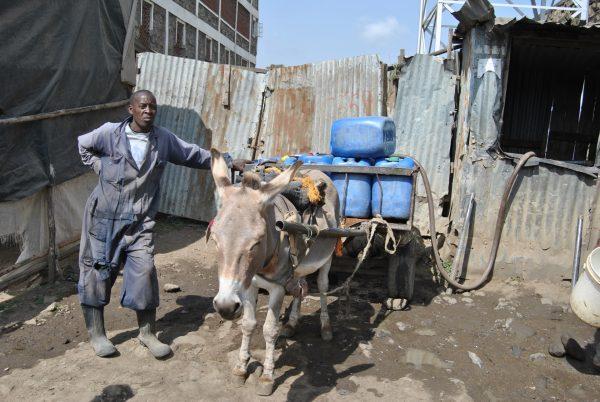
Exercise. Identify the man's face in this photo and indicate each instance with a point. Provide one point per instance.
(143, 110)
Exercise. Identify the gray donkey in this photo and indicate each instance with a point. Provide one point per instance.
(252, 254)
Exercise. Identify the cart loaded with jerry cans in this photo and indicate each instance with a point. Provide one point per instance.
(376, 190)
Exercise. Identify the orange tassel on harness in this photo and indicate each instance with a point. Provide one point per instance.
(339, 248)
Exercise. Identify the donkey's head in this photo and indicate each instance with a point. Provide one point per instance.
(240, 231)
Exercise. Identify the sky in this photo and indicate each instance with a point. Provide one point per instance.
(296, 32)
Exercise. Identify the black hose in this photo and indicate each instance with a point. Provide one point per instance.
(497, 232)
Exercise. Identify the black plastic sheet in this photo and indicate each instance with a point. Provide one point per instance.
(55, 55)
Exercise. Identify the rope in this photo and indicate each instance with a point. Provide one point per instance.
(390, 238)
(345, 193)
(373, 224)
(380, 193)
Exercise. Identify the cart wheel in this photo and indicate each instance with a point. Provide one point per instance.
(401, 275)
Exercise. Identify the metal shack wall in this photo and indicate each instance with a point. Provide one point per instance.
(538, 237)
(424, 117)
(304, 101)
(206, 104)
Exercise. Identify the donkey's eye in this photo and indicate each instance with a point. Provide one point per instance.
(254, 246)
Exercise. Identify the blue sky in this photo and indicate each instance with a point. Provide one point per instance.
(306, 31)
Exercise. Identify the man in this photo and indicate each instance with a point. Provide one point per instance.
(118, 222)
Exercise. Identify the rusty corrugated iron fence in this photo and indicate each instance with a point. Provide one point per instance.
(249, 114)
(304, 101)
(206, 104)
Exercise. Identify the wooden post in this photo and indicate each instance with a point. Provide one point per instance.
(52, 257)
(227, 81)
(401, 58)
(449, 46)
(62, 112)
(52, 249)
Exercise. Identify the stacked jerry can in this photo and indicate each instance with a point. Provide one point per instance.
(369, 141)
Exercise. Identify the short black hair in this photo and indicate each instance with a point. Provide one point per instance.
(139, 93)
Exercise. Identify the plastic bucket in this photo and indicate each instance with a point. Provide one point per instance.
(585, 297)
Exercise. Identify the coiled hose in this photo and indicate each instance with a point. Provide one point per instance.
(497, 232)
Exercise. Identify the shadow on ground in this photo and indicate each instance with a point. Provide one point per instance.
(29, 303)
(178, 322)
(587, 366)
(315, 360)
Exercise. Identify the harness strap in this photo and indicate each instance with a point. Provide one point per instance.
(289, 212)
(293, 240)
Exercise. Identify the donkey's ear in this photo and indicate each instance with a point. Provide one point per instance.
(277, 185)
(220, 171)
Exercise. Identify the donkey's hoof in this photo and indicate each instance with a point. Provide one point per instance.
(265, 386)
(326, 333)
(238, 380)
(287, 331)
(238, 377)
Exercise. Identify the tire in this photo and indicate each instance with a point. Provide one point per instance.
(401, 275)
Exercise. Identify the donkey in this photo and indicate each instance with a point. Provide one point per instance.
(252, 254)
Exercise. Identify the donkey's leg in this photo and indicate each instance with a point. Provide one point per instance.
(270, 333)
(248, 326)
(323, 283)
(289, 329)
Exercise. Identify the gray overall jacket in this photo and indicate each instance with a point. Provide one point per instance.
(119, 215)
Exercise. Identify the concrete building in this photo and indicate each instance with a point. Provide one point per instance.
(219, 31)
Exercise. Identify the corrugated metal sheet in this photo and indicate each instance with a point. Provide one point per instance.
(540, 225)
(541, 220)
(289, 111)
(345, 88)
(209, 105)
(424, 115)
(305, 100)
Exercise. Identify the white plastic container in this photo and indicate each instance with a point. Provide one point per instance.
(585, 297)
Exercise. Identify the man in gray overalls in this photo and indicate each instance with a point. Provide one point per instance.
(118, 222)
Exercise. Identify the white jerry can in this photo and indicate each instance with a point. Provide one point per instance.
(585, 297)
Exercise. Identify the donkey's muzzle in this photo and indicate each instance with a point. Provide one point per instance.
(229, 310)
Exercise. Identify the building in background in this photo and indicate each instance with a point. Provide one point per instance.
(218, 31)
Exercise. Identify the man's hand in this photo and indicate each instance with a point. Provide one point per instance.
(238, 164)
(97, 165)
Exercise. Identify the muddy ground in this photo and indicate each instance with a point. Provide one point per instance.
(485, 345)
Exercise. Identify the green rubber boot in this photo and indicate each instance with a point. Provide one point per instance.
(146, 320)
(94, 322)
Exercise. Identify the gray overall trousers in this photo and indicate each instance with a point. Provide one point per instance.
(119, 215)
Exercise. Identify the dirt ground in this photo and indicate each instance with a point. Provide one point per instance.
(485, 345)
